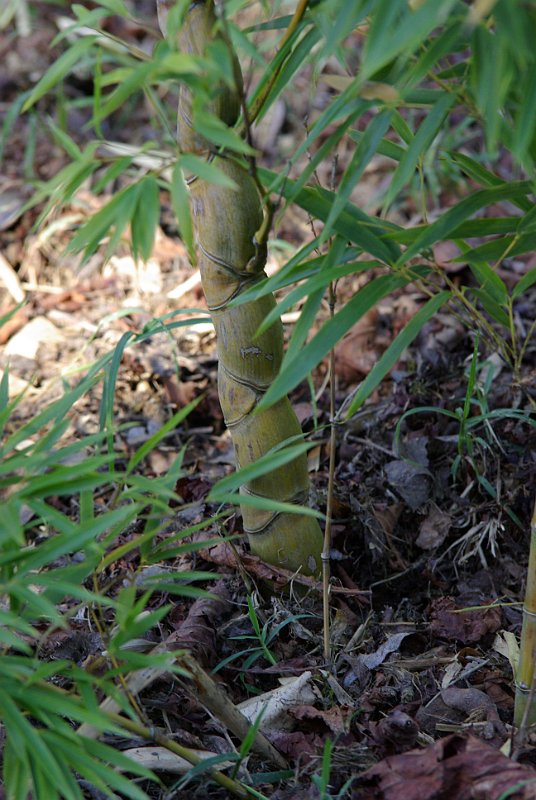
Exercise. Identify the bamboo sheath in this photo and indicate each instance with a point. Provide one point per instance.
(230, 259)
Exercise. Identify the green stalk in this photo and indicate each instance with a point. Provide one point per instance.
(229, 228)
(525, 705)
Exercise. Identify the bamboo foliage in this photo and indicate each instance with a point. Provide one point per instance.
(231, 258)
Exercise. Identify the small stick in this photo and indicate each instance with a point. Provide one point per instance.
(207, 692)
(331, 485)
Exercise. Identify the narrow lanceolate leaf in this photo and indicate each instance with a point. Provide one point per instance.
(116, 7)
(265, 503)
(351, 224)
(220, 134)
(59, 69)
(263, 465)
(489, 282)
(365, 150)
(116, 214)
(181, 206)
(206, 170)
(395, 350)
(314, 351)
(418, 146)
(133, 83)
(524, 128)
(397, 28)
(145, 219)
(461, 212)
(497, 249)
(525, 283)
(491, 75)
(304, 324)
(312, 284)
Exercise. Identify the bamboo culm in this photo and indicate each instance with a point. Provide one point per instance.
(230, 259)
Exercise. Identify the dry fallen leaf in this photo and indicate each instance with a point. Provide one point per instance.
(453, 768)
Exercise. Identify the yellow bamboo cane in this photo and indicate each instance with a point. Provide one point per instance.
(230, 257)
(525, 702)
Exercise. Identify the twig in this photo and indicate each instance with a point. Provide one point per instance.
(152, 735)
(263, 96)
(331, 484)
(207, 692)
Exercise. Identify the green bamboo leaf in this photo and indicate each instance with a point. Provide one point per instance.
(402, 128)
(293, 270)
(168, 426)
(331, 332)
(346, 106)
(59, 69)
(524, 128)
(418, 146)
(337, 20)
(30, 740)
(527, 224)
(266, 504)
(132, 83)
(10, 117)
(489, 282)
(365, 150)
(326, 148)
(311, 284)
(493, 308)
(62, 186)
(206, 170)
(61, 485)
(106, 411)
(385, 147)
(352, 224)
(180, 64)
(104, 777)
(16, 773)
(61, 545)
(450, 40)
(145, 218)
(116, 7)
(65, 141)
(52, 413)
(475, 170)
(291, 64)
(497, 249)
(525, 283)
(396, 28)
(473, 228)
(180, 199)
(491, 74)
(118, 212)
(295, 61)
(262, 466)
(305, 322)
(454, 217)
(112, 173)
(395, 350)
(216, 131)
